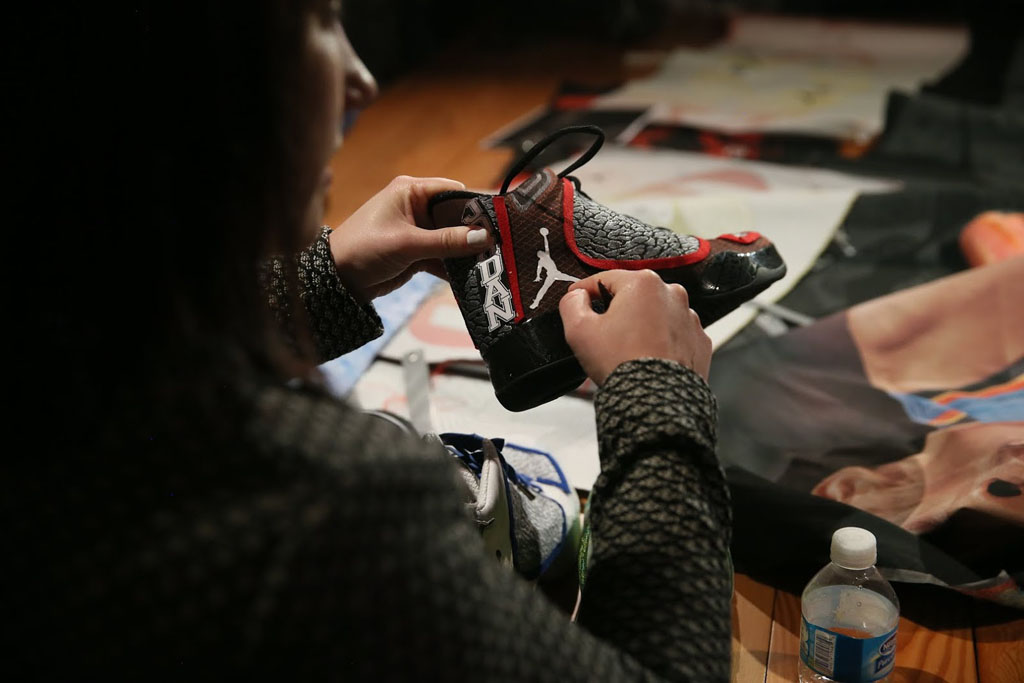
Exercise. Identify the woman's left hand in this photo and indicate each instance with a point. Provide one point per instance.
(381, 245)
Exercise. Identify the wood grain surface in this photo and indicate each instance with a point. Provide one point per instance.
(999, 644)
(968, 641)
(431, 122)
(752, 606)
(784, 650)
(935, 655)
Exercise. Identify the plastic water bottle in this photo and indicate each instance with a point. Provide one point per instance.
(850, 615)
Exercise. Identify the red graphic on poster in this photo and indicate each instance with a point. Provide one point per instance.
(428, 324)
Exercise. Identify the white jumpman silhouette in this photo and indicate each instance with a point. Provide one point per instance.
(546, 263)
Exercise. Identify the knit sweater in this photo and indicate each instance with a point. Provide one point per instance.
(300, 539)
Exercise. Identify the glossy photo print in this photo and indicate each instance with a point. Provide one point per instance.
(909, 407)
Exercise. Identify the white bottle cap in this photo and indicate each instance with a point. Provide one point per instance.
(854, 548)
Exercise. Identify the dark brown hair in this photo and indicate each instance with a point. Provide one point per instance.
(177, 181)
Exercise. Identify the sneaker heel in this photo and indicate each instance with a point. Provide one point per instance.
(532, 364)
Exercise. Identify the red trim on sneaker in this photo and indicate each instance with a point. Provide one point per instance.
(568, 224)
(745, 238)
(568, 227)
(508, 255)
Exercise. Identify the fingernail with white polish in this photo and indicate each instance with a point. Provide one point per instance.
(475, 237)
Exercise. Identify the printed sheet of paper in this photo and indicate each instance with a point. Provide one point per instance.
(800, 223)
(564, 427)
(797, 208)
(793, 75)
(627, 174)
(438, 329)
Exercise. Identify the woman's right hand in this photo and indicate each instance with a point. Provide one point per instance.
(647, 318)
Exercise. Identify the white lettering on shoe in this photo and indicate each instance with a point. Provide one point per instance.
(552, 274)
(497, 298)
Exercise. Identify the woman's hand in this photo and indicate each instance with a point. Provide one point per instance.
(381, 245)
(647, 318)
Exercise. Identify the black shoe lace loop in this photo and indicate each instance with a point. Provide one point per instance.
(524, 160)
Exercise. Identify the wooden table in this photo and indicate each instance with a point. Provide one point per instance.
(970, 641)
(430, 124)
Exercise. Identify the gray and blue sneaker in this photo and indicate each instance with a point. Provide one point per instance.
(529, 516)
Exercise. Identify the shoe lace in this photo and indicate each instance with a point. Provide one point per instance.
(474, 462)
(534, 151)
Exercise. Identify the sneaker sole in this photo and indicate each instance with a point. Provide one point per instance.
(533, 364)
(533, 355)
(768, 268)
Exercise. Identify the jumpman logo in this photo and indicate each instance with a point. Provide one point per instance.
(547, 264)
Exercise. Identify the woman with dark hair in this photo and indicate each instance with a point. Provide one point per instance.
(205, 506)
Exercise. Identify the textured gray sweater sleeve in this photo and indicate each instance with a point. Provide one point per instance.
(660, 578)
(290, 537)
(337, 321)
(387, 578)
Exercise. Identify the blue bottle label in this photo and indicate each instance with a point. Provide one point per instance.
(845, 658)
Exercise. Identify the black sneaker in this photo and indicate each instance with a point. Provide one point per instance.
(548, 234)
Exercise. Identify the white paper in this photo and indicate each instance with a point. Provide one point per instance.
(800, 223)
(564, 427)
(626, 174)
(437, 329)
(798, 208)
(790, 75)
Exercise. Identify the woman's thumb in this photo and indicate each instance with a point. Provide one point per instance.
(445, 243)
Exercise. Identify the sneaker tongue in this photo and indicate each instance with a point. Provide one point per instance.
(546, 172)
(525, 184)
(491, 496)
(446, 211)
(492, 507)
